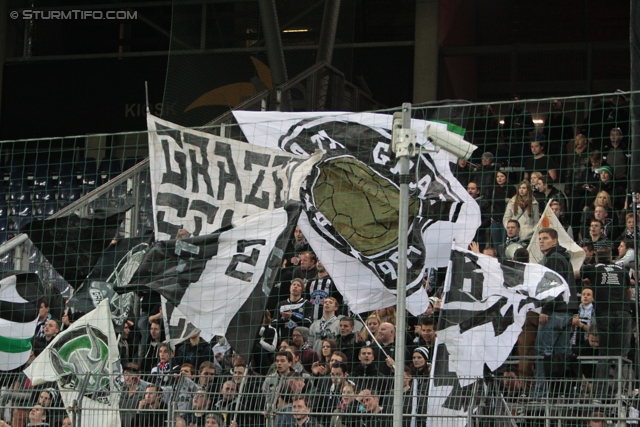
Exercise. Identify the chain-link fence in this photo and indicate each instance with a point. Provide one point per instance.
(271, 242)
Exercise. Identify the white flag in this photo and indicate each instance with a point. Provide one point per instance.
(94, 413)
(201, 182)
(87, 347)
(549, 220)
(351, 199)
(484, 306)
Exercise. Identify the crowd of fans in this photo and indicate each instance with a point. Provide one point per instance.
(583, 171)
(313, 356)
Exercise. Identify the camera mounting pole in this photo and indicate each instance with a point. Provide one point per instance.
(403, 144)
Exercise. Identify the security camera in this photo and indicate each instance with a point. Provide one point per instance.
(449, 141)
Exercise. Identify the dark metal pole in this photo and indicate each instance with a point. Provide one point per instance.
(634, 43)
(403, 152)
(325, 48)
(634, 175)
(328, 30)
(275, 53)
(635, 269)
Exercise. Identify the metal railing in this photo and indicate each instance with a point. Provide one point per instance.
(183, 400)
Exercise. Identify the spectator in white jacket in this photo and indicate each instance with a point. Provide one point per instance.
(327, 327)
(524, 208)
(626, 254)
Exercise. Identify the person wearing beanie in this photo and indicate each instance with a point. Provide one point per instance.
(308, 356)
(616, 190)
(421, 358)
(608, 171)
(419, 383)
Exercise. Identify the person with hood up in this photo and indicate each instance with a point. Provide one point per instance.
(195, 351)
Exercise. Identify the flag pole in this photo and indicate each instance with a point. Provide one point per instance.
(373, 336)
(403, 145)
(635, 265)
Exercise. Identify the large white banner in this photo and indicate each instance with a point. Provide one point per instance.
(230, 277)
(447, 211)
(342, 170)
(351, 201)
(201, 182)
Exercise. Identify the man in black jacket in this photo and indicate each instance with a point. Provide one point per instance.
(554, 328)
(194, 351)
(366, 374)
(613, 312)
(152, 411)
(348, 342)
(474, 190)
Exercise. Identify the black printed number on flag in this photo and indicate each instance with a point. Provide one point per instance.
(241, 258)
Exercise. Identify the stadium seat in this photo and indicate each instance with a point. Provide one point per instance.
(144, 191)
(17, 177)
(42, 195)
(13, 226)
(46, 209)
(130, 162)
(111, 166)
(21, 210)
(89, 175)
(20, 196)
(69, 195)
(42, 176)
(4, 212)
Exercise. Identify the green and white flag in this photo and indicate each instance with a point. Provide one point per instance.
(88, 347)
(20, 296)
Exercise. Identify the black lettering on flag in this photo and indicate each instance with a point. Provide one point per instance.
(280, 160)
(227, 218)
(467, 282)
(245, 259)
(202, 169)
(513, 273)
(224, 150)
(198, 228)
(467, 279)
(179, 203)
(460, 398)
(443, 376)
(206, 208)
(278, 203)
(490, 315)
(166, 227)
(251, 158)
(171, 176)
